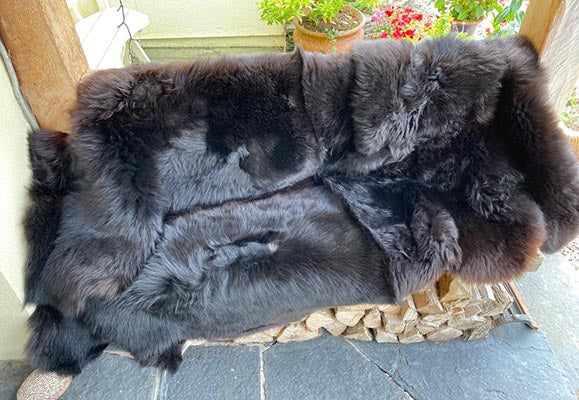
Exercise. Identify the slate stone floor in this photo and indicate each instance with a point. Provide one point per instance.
(513, 363)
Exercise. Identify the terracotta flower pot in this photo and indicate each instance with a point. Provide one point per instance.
(468, 27)
(319, 42)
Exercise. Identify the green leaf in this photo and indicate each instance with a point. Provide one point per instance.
(497, 7)
(501, 16)
(516, 4)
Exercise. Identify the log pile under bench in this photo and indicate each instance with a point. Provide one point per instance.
(444, 310)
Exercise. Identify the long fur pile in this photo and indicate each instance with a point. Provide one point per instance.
(174, 209)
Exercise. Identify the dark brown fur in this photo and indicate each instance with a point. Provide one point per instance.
(443, 162)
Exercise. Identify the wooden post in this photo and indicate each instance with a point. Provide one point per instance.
(539, 19)
(47, 57)
(552, 26)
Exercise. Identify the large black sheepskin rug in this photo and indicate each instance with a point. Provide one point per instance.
(216, 197)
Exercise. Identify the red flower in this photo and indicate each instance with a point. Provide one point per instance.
(401, 23)
(488, 31)
(398, 33)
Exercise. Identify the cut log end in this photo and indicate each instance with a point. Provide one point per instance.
(446, 310)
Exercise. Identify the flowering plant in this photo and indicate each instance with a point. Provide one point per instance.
(406, 23)
(399, 23)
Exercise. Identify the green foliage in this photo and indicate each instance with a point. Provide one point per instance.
(282, 11)
(441, 26)
(508, 20)
(570, 114)
(466, 10)
(326, 9)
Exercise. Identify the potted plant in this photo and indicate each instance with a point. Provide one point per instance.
(466, 14)
(320, 25)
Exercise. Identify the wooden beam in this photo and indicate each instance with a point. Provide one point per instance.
(551, 25)
(47, 57)
(539, 20)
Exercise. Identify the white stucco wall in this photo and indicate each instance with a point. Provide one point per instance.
(12, 323)
(14, 178)
(178, 23)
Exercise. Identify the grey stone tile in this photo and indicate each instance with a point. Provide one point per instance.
(112, 377)
(12, 374)
(326, 368)
(215, 373)
(552, 294)
(513, 363)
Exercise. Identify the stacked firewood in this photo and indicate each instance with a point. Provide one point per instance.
(445, 310)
